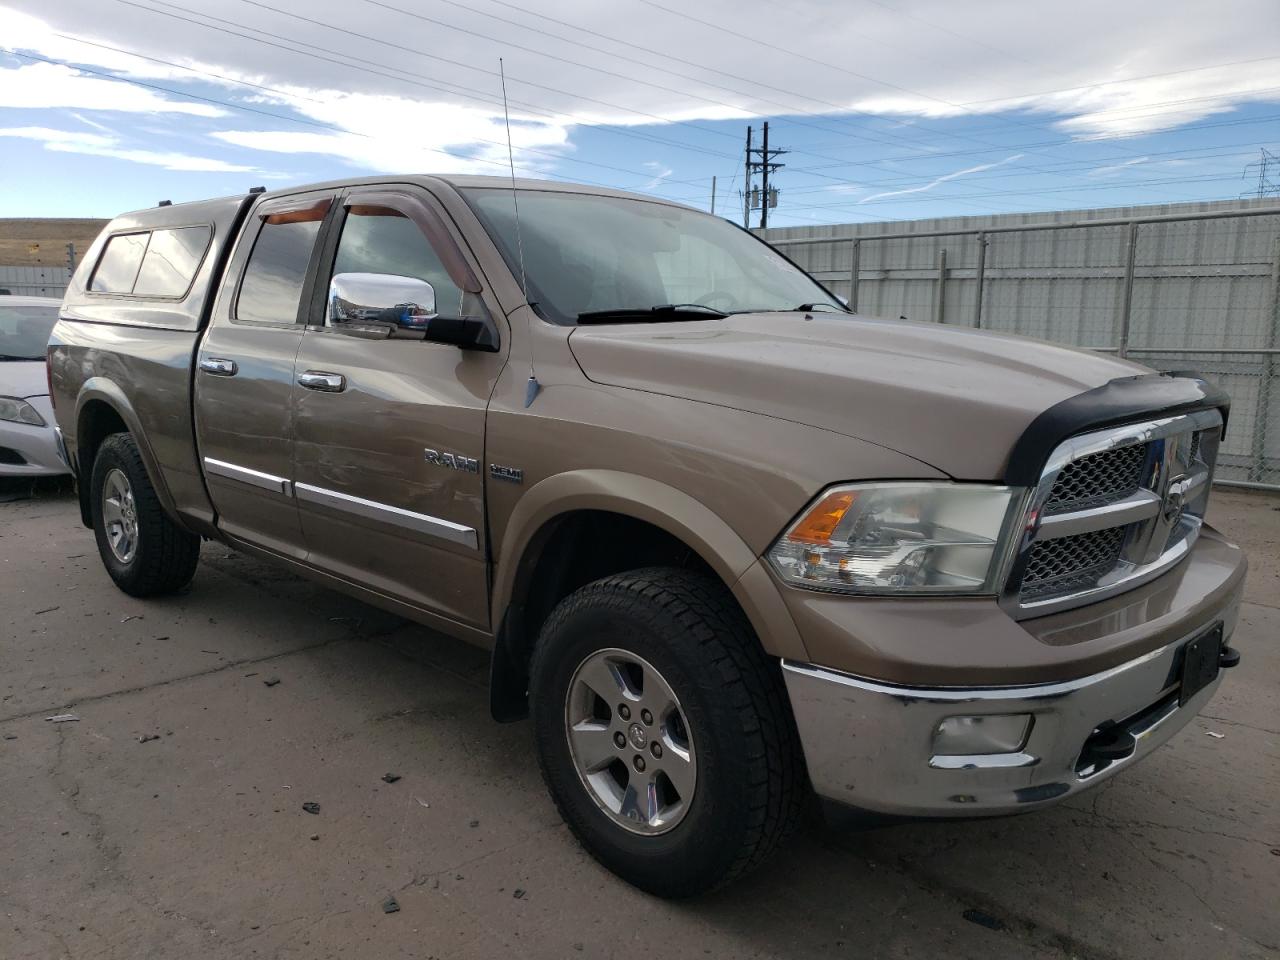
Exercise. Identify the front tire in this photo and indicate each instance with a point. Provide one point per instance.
(144, 551)
(663, 731)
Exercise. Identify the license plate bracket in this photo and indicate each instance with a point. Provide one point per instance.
(1200, 662)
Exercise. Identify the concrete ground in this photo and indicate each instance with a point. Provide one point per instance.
(195, 843)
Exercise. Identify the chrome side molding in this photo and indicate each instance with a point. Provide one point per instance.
(256, 478)
(358, 506)
(371, 510)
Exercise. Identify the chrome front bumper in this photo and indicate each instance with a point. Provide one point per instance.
(872, 745)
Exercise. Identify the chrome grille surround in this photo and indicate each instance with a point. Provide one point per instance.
(1112, 510)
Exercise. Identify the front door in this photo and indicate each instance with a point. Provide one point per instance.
(244, 380)
(389, 433)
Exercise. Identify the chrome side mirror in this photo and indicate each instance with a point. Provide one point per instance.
(381, 298)
(378, 306)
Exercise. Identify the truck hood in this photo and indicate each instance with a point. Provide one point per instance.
(954, 398)
(23, 378)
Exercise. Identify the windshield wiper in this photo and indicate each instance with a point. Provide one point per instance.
(659, 312)
(803, 308)
(9, 356)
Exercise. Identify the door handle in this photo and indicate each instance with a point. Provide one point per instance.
(319, 380)
(218, 366)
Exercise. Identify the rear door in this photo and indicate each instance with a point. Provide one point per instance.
(244, 379)
(390, 432)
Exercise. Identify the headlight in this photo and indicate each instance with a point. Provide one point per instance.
(886, 538)
(19, 411)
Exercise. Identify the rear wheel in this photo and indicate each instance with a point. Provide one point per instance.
(144, 551)
(663, 731)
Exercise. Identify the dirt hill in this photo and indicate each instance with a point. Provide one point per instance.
(42, 242)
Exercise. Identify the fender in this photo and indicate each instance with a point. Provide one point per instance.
(691, 521)
(110, 393)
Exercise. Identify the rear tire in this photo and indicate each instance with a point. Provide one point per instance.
(675, 638)
(144, 551)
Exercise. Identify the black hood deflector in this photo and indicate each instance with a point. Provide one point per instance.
(1119, 401)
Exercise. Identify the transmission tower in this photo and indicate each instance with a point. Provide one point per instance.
(764, 197)
(1268, 167)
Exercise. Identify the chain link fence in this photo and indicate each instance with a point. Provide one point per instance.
(1196, 290)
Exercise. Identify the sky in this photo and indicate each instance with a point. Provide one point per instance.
(888, 109)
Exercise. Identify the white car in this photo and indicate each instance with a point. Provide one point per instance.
(29, 441)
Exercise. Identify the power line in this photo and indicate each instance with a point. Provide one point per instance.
(1204, 178)
(438, 22)
(328, 126)
(808, 58)
(798, 191)
(406, 74)
(941, 29)
(347, 32)
(558, 157)
(276, 116)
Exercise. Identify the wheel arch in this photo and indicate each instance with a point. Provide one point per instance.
(102, 409)
(662, 524)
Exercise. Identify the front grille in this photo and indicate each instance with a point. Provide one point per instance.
(1069, 564)
(11, 457)
(1098, 478)
(1113, 508)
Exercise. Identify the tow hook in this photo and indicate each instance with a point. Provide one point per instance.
(1228, 658)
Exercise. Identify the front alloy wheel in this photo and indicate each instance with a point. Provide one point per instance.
(663, 730)
(630, 741)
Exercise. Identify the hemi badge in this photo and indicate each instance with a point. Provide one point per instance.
(513, 474)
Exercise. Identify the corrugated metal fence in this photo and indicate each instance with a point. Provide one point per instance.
(1189, 289)
(35, 281)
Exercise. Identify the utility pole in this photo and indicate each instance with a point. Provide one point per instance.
(746, 185)
(765, 197)
(764, 180)
(713, 196)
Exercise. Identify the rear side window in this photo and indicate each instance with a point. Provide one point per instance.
(277, 269)
(118, 268)
(161, 263)
(173, 256)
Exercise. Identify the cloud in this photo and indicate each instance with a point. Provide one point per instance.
(404, 93)
(923, 188)
(1111, 168)
(52, 86)
(661, 173)
(102, 145)
(389, 133)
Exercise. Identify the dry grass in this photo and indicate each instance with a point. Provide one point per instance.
(42, 242)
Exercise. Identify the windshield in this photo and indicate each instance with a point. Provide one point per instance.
(584, 254)
(24, 330)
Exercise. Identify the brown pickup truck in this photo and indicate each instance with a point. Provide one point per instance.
(731, 546)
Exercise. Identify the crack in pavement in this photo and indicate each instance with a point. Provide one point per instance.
(1112, 822)
(1240, 723)
(1019, 925)
(1184, 883)
(126, 691)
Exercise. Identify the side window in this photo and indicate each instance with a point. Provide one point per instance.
(172, 258)
(158, 263)
(271, 288)
(118, 267)
(377, 239)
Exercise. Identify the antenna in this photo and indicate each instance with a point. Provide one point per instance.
(532, 387)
